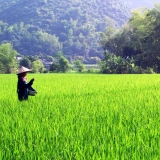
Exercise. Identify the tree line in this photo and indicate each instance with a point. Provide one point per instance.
(9, 62)
(135, 48)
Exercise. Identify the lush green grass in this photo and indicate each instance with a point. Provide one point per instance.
(76, 116)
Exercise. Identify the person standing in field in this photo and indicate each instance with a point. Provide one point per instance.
(23, 88)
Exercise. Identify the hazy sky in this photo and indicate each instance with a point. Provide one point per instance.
(140, 3)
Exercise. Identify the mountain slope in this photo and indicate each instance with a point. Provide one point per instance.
(73, 25)
(28, 11)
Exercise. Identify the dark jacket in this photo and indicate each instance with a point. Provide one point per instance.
(22, 88)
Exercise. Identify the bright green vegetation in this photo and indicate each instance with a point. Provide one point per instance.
(76, 116)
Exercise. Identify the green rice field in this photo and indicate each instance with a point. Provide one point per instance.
(81, 117)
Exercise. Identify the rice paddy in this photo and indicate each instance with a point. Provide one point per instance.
(81, 116)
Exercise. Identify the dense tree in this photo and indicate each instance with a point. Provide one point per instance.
(32, 58)
(25, 62)
(54, 67)
(60, 63)
(7, 58)
(64, 65)
(138, 39)
(78, 65)
(113, 64)
(37, 66)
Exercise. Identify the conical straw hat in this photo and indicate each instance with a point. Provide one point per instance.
(23, 69)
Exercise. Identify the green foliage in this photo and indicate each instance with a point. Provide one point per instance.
(91, 70)
(28, 40)
(37, 66)
(7, 58)
(138, 39)
(140, 70)
(113, 64)
(32, 58)
(2, 67)
(106, 36)
(64, 65)
(25, 62)
(78, 65)
(61, 64)
(54, 67)
(46, 27)
(49, 58)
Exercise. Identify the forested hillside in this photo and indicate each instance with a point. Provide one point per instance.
(47, 26)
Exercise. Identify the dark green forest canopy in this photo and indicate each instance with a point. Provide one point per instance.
(48, 26)
(139, 39)
(33, 11)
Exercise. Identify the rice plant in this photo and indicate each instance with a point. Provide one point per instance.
(80, 116)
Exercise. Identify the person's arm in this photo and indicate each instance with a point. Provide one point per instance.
(27, 85)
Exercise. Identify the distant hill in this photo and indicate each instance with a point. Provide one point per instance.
(28, 10)
(47, 26)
